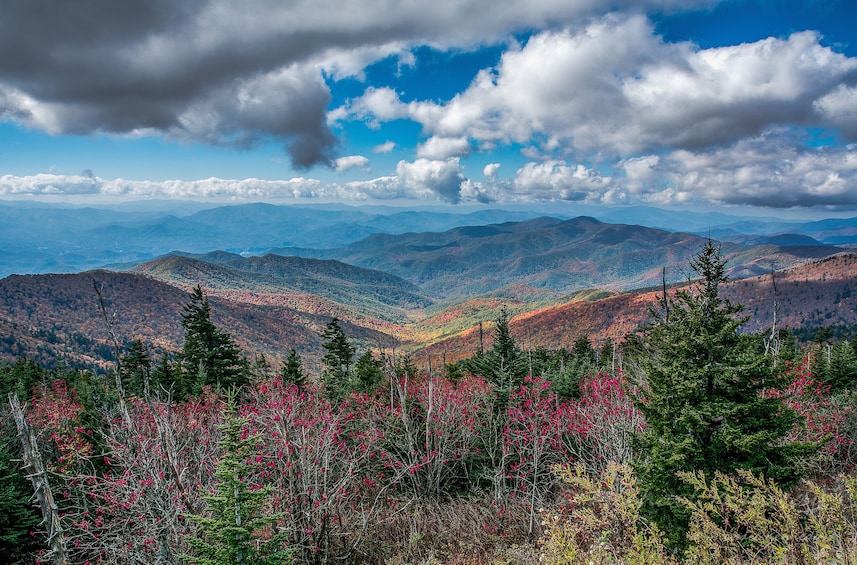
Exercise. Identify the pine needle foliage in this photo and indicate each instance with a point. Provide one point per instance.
(702, 399)
(238, 528)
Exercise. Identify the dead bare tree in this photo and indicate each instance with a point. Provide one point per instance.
(772, 343)
(110, 322)
(38, 477)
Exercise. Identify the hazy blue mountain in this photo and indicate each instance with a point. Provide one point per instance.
(55, 238)
(39, 238)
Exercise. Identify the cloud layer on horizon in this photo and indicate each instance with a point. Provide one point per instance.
(771, 170)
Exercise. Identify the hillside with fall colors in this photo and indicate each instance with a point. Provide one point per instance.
(58, 317)
(550, 254)
(53, 318)
(806, 298)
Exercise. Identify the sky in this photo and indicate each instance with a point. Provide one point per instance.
(742, 104)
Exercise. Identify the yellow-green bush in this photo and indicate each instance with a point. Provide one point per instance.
(601, 522)
(735, 519)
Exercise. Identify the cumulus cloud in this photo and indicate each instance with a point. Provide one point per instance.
(557, 180)
(243, 189)
(443, 178)
(614, 88)
(423, 179)
(774, 170)
(771, 170)
(386, 147)
(490, 170)
(444, 147)
(839, 108)
(351, 162)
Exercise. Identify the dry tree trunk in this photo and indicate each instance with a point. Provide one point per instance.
(35, 468)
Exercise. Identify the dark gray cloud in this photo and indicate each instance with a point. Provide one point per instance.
(229, 72)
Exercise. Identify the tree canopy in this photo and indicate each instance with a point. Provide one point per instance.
(209, 355)
(702, 397)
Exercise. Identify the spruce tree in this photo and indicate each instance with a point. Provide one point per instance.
(292, 371)
(209, 356)
(136, 369)
(502, 365)
(239, 528)
(368, 374)
(338, 356)
(19, 520)
(702, 402)
(842, 370)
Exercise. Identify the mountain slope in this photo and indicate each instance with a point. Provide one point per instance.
(818, 294)
(58, 317)
(370, 292)
(561, 255)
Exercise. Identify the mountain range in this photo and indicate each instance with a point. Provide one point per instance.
(553, 254)
(54, 238)
(423, 291)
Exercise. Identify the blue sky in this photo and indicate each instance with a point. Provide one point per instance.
(743, 104)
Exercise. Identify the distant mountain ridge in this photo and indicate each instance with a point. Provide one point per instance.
(807, 297)
(57, 317)
(42, 238)
(371, 292)
(550, 253)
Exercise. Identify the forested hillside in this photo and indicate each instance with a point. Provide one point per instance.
(512, 453)
(549, 253)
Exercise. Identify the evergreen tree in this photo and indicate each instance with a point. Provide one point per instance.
(606, 355)
(136, 367)
(209, 355)
(842, 370)
(19, 519)
(238, 530)
(338, 356)
(502, 365)
(703, 405)
(566, 371)
(292, 371)
(168, 376)
(21, 377)
(368, 373)
(583, 350)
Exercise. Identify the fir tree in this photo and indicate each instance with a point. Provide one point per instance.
(292, 371)
(136, 368)
(19, 520)
(842, 370)
(502, 365)
(702, 403)
(367, 373)
(237, 530)
(209, 356)
(338, 356)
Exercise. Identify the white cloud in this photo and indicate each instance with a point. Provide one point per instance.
(443, 178)
(226, 72)
(557, 180)
(351, 162)
(490, 170)
(839, 108)
(439, 148)
(770, 170)
(386, 147)
(614, 88)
